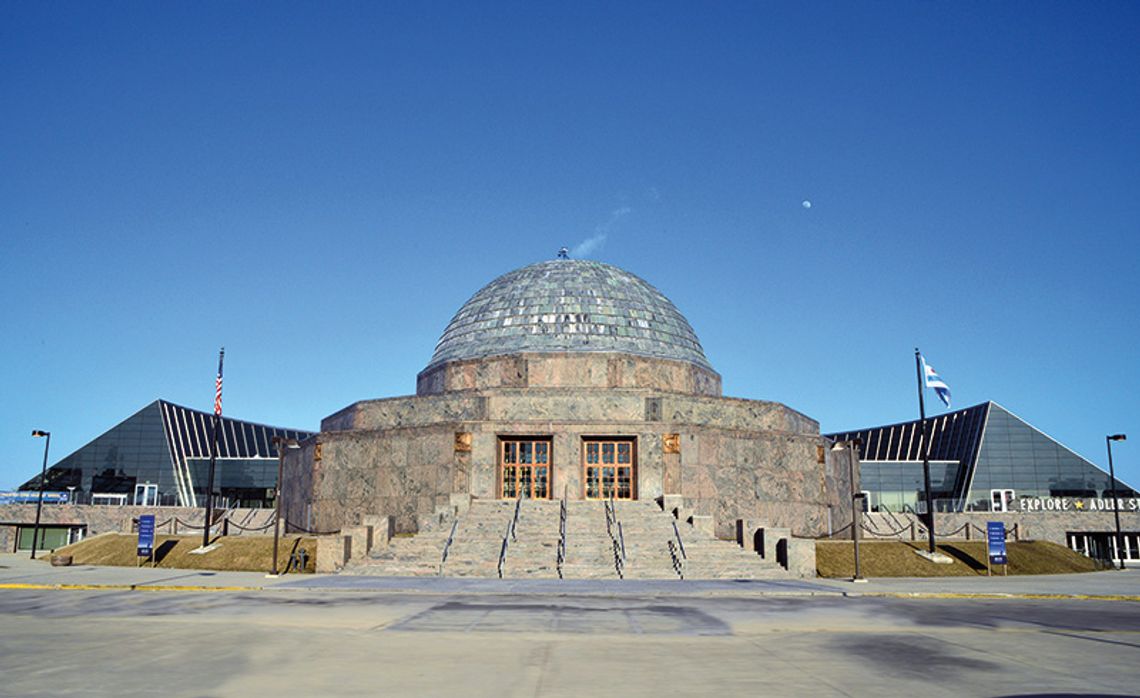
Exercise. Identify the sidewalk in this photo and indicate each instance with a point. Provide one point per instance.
(1112, 583)
(18, 571)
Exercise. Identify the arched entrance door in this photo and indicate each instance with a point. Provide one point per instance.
(609, 467)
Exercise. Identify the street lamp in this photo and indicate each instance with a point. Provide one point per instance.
(856, 499)
(43, 478)
(1115, 502)
(281, 444)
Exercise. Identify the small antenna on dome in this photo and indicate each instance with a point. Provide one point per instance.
(563, 253)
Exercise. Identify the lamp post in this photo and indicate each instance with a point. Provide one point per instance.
(856, 500)
(43, 479)
(1115, 502)
(281, 443)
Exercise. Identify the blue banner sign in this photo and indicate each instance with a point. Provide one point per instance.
(146, 535)
(32, 496)
(995, 539)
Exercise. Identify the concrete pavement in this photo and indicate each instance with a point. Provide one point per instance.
(90, 631)
(16, 570)
(368, 643)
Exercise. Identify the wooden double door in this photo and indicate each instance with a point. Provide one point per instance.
(609, 468)
(524, 468)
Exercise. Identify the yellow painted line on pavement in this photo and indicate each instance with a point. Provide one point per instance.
(125, 587)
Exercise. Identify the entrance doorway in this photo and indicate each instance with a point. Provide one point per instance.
(524, 468)
(146, 495)
(610, 467)
(1002, 500)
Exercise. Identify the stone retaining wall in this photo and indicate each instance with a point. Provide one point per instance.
(109, 519)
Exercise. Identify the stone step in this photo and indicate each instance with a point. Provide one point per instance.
(589, 554)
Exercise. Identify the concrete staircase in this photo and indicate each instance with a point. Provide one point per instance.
(641, 533)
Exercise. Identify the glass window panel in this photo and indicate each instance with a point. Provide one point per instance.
(607, 481)
(540, 483)
(625, 490)
(608, 452)
(526, 452)
(509, 483)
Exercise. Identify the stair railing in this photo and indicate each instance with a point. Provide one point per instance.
(680, 544)
(561, 559)
(509, 535)
(447, 545)
(619, 567)
(677, 562)
(618, 547)
(515, 519)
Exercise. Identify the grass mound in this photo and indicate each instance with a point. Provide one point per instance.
(879, 558)
(233, 554)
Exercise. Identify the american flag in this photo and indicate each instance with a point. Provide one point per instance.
(218, 385)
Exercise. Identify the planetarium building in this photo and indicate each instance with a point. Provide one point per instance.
(576, 380)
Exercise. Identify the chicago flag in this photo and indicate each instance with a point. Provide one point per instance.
(935, 382)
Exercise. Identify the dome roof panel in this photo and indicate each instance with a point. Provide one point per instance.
(569, 305)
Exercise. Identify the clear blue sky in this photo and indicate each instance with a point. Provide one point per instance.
(318, 187)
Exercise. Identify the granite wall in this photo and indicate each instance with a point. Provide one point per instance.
(404, 457)
(110, 519)
(569, 370)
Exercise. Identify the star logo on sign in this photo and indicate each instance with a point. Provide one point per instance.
(1079, 504)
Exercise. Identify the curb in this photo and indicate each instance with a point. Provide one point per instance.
(126, 587)
(1006, 596)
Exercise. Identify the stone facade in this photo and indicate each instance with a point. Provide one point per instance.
(566, 351)
(112, 519)
(593, 370)
(399, 457)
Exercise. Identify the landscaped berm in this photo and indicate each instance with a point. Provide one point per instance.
(232, 554)
(898, 559)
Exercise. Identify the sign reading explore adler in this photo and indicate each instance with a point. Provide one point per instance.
(1029, 504)
(146, 535)
(995, 538)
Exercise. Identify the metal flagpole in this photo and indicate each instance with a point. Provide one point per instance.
(215, 428)
(925, 451)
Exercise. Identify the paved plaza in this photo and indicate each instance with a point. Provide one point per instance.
(240, 634)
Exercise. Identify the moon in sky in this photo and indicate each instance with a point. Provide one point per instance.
(806, 204)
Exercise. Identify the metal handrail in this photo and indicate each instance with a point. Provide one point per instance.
(447, 545)
(561, 557)
(618, 547)
(509, 536)
(680, 543)
(618, 566)
(677, 564)
(515, 518)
